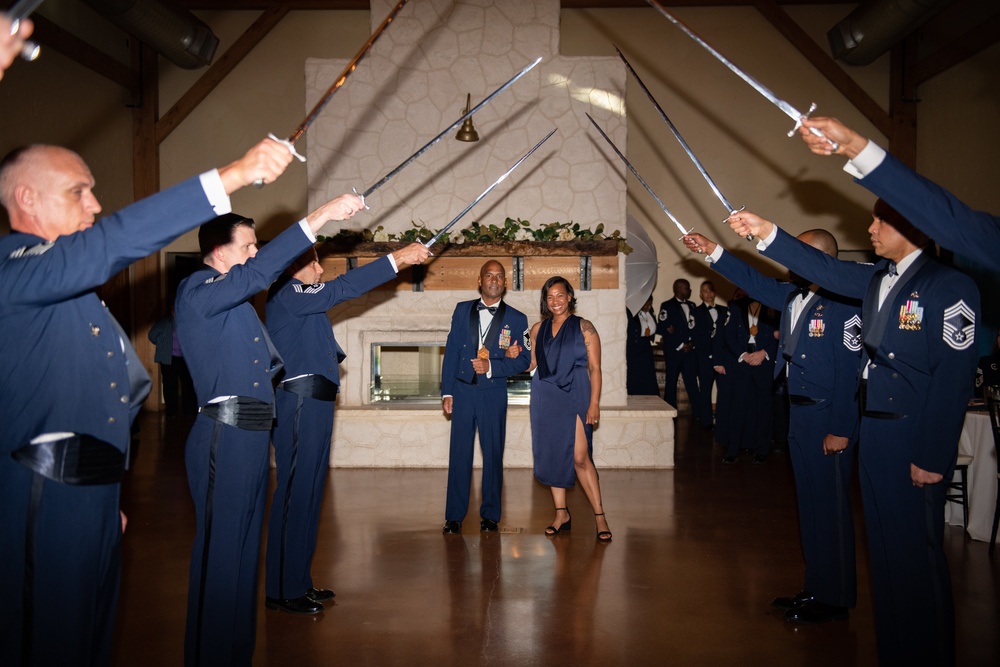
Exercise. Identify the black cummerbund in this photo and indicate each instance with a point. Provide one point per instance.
(76, 459)
(313, 386)
(804, 400)
(242, 412)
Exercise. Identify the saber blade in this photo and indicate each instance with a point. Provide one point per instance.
(289, 143)
(765, 92)
(488, 190)
(640, 179)
(444, 132)
(687, 149)
(351, 66)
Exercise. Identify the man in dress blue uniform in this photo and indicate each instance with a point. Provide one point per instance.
(929, 207)
(304, 400)
(820, 346)
(232, 363)
(918, 364)
(676, 326)
(709, 320)
(71, 385)
(751, 342)
(474, 392)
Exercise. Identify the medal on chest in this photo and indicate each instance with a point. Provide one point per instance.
(911, 315)
(816, 328)
(483, 353)
(753, 330)
(504, 337)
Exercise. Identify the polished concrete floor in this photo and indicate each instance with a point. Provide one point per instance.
(698, 553)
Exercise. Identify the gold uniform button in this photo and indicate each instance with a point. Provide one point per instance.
(256, 384)
(110, 354)
(114, 384)
(256, 339)
(256, 361)
(111, 420)
(123, 399)
(95, 330)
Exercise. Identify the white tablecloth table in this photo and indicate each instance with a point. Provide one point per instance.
(977, 441)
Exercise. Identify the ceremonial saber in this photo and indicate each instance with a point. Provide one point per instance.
(468, 114)
(687, 149)
(785, 107)
(458, 217)
(19, 11)
(644, 184)
(289, 143)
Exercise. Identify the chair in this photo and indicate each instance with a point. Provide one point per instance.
(993, 401)
(958, 491)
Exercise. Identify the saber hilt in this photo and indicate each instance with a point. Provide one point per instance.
(30, 50)
(815, 131)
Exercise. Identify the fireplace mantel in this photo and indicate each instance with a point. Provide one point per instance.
(586, 264)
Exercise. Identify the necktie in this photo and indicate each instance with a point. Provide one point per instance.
(483, 306)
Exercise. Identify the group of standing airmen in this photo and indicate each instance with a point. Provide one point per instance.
(881, 357)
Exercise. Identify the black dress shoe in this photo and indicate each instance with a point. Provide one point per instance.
(302, 605)
(452, 527)
(758, 459)
(729, 460)
(816, 612)
(487, 526)
(796, 600)
(320, 594)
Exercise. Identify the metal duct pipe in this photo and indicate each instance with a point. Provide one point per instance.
(875, 27)
(179, 36)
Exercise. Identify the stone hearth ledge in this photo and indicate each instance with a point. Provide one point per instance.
(637, 435)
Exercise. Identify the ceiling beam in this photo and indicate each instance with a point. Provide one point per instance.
(983, 36)
(223, 65)
(49, 34)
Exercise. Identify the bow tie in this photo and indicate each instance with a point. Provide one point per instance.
(483, 306)
(803, 292)
(892, 269)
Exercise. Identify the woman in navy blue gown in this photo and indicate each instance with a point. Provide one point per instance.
(565, 403)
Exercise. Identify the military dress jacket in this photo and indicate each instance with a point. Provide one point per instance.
(509, 325)
(822, 352)
(298, 324)
(921, 343)
(227, 350)
(671, 314)
(62, 358)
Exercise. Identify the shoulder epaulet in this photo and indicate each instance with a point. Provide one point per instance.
(315, 288)
(32, 251)
(215, 279)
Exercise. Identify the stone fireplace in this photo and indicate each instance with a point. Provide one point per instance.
(413, 84)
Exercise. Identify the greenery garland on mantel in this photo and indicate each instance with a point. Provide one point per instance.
(514, 238)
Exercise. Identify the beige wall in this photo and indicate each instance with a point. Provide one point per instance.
(738, 135)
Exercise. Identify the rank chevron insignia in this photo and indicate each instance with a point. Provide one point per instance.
(852, 334)
(959, 326)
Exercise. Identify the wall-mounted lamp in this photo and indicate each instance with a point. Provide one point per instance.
(467, 132)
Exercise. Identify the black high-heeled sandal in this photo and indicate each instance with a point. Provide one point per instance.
(603, 535)
(552, 531)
